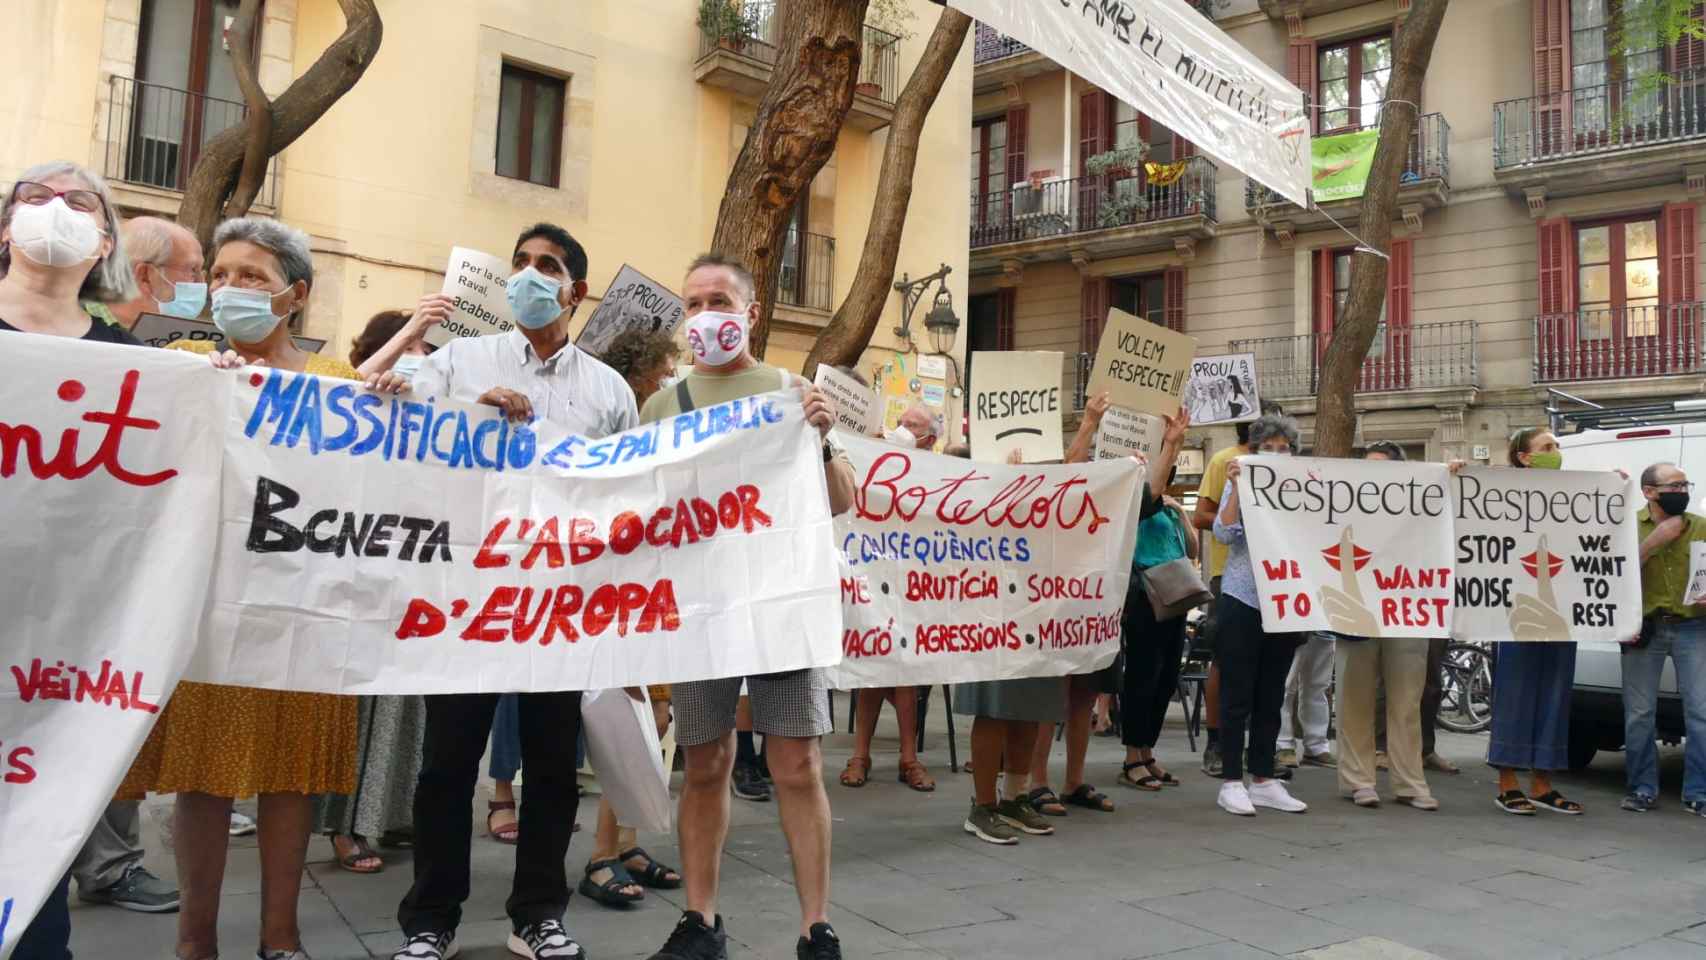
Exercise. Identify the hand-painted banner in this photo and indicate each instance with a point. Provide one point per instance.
(106, 472)
(1358, 547)
(1545, 555)
(956, 571)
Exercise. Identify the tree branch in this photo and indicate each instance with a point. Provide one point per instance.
(258, 118)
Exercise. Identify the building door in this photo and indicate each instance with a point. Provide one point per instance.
(186, 91)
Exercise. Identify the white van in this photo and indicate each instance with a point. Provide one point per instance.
(1596, 707)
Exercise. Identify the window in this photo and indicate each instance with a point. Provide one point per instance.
(1617, 278)
(188, 89)
(1341, 294)
(989, 166)
(530, 125)
(1608, 49)
(1143, 297)
(1351, 83)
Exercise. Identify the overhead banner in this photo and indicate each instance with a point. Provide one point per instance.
(1340, 164)
(958, 571)
(855, 404)
(1014, 400)
(633, 301)
(476, 282)
(1545, 555)
(1165, 59)
(1222, 389)
(1141, 366)
(158, 330)
(1127, 433)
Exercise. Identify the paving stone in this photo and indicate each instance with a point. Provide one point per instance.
(1365, 948)
(1241, 918)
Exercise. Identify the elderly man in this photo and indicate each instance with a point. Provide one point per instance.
(1668, 628)
(167, 262)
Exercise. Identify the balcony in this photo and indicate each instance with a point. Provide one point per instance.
(1606, 344)
(807, 278)
(1430, 356)
(155, 134)
(1425, 184)
(1632, 134)
(1037, 221)
(743, 62)
(998, 60)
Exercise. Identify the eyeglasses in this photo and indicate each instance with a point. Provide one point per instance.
(39, 194)
(1678, 487)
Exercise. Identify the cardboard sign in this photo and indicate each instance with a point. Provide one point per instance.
(1696, 592)
(1222, 389)
(1545, 555)
(949, 576)
(1141, 366)
(633, 301)
(1015, 403)
(1124, 433)
(476, 281)
(158, 330)
(855, 403)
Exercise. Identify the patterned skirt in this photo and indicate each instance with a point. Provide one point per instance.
(389, 731)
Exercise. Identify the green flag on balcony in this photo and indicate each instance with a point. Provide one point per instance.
(1340, 164)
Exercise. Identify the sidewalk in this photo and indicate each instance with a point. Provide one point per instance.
(1167, 875)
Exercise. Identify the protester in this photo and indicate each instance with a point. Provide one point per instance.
(502, 824)
(1253, 664)
(214, 743)
(918, 429)
(791, 708)
(531, 372)
(167, 264)
(398, 342)
(646, 360)
(1668, 628)
(1304, 713)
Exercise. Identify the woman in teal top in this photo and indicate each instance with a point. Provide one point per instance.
(1153, 649)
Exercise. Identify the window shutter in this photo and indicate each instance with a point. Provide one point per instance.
(1682, 246)
(1398, 289)
(1689, 53)
(1093, 299)
(1018, 134)
(1173, 298)
(1323, 293)
(1300, 70)
(1556, 284)
(1092, 112)
(1551, 46)
(1183, 148)
(1005, 306)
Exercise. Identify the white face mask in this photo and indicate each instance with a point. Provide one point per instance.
(901, 437)
(408, 365)
(716, 338)
(54, 235)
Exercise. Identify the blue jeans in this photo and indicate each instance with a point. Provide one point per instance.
(1531, 705)
(506, 740)
(49, 936)
(1686, 644)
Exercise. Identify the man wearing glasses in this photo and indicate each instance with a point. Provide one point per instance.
(1668, 627)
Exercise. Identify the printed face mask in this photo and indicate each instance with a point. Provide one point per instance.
(54, 235)
(1674, 502)
(901, 437)
(408, 365)
(716, 338)
(532, 299)
(244, 315)
(1548, 460)
(187, 300)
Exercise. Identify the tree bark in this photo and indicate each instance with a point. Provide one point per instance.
(258, 118)
(1341, 368)
(793, 135)
(849, 332)
(304, 102)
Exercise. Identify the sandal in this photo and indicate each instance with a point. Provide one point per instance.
(1148, 781)
(1167, 779)
(857, 772)
(1515, 803)
(610, 892)
(506, 834)
(913, 774)
(1087, 797)
(1046, 803)
(1554, 801)
(352, 852)
(653, 874)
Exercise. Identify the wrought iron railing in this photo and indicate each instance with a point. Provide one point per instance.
(807, 277)
(1429, 159)
(1083, 363)
(1426, 356)
(155, 134)
(1649, 110)
(991, 44)
(760, 41)
(1048, 208)
(1605, 344)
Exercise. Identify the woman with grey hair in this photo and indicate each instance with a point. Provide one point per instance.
(213, 744)
(1253, 664)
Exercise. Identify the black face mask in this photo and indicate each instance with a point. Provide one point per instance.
(1673, 503)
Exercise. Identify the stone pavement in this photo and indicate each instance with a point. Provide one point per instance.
(1167, 875)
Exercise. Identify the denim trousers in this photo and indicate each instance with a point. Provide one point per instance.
(1684, 643)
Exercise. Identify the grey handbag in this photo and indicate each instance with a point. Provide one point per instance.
(1174, 588)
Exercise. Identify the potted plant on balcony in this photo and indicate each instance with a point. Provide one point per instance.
(1118, 163)
(726, 22)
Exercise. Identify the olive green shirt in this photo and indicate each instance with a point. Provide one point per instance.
(709, 391)
(1664, 577)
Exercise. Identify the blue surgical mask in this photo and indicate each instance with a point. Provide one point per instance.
(533, 299)
(407, 365)
(244, 315)
(187, 301)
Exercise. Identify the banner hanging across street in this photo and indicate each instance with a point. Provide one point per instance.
(1165, 59)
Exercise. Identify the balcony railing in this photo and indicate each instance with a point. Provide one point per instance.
(1614, 344)
(991, 44)
(1052, 208)
(877, 65)
(1429, 159)
(1083, 363)
(1656, 109)
(808, 271)
(1422, 357)
(156, 133)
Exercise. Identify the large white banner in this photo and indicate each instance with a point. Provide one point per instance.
(957, 571)
(1546, 555)
(1163, 58)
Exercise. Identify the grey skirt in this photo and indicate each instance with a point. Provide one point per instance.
(1031, 700)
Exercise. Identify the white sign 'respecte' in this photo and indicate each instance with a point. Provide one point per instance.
(1015, 404)
(476, 281)
(855, 404)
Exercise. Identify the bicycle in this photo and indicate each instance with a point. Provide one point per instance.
(1466, 688)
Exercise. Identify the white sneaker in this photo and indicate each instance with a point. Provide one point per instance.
(1273, 795)
(1235, 799)
(241, 826)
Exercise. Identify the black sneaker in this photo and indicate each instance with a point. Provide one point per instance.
(692, 940)
(823, 944)
(545, 940)
(428, 946)
(748, 783)
(1696, 807)
(1638, 803)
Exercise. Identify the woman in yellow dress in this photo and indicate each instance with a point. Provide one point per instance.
(213, 744)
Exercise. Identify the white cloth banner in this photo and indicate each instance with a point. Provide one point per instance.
(106, 474)
(1545, 555)
(958, 571)
(1358, 547)
(1165, 59)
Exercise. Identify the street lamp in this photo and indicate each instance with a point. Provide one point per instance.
(940, 321)
(943, 326)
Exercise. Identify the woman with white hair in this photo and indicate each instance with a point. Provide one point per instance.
(213, 744)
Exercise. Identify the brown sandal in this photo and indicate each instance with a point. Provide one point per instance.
(857, 772)
(913, 774)
(507, 834)
(353, 852)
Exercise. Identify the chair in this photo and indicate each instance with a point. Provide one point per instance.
(923, 716)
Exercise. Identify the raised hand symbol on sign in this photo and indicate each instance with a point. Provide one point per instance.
(1344, 605)
(1536, 618)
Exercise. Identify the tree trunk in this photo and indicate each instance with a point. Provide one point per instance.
(306, 100)
(257, 118)
(1341, 368)
(793, 135)
(849, 333)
